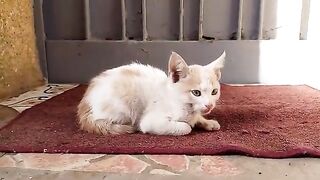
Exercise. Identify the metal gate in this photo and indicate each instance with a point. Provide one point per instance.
(80, 38)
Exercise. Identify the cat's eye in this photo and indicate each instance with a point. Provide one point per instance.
(214, 92)
(196, 92)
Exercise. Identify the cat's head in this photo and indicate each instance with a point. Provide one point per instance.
(200, 84)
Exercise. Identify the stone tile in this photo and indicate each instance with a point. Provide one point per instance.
(117, 164)
(27, 100)
(178, 163)
(7, 161)
(216, 165)
(162, 172)
(54, 162)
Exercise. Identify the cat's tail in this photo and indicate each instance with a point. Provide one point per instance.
(99, 126)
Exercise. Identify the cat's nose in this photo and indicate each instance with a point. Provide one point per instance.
(209, 106)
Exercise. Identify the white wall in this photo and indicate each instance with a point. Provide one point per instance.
(289, 62)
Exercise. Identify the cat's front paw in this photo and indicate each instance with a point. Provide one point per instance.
(182, 128)
(211, 125)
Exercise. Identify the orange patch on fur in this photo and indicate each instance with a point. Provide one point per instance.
(99, 126)
(130, 72)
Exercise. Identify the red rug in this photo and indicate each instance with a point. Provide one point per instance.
(260, 121)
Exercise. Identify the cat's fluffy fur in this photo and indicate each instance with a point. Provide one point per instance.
(142, 98)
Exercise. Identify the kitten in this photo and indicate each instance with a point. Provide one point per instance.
(142, 98)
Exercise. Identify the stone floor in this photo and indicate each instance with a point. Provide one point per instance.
(120, 167)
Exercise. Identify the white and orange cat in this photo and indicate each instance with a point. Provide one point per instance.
(142, 98)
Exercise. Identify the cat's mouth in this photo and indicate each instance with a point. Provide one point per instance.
(206, 111)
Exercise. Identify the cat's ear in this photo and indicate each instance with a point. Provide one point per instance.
(218, 64)
(177, 67)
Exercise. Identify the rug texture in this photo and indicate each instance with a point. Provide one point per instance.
(260, 121)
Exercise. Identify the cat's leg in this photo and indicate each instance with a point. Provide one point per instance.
(154, 123)
(200, 121)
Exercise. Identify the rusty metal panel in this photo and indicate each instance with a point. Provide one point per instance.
(64, 19)
(78, 61)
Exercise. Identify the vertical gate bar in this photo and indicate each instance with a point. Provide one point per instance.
(41, 36)
(261, 16)
(201, 20)
(144, 20)
(305, 12)
(123, 17)
(181, 20)
(87, 18)
(240, 11)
